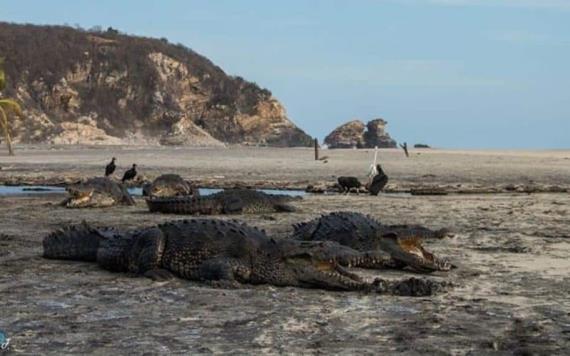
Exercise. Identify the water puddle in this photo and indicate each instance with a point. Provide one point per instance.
(44, 189)
(29, 190)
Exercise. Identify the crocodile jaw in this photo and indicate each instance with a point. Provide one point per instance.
(420, 259)
(79, 198)
(326, 274)
(82, 199)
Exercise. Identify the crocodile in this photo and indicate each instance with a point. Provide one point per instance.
(97, 193)
(222, 253)
(169, 185)
(401, 243)
(234, 201)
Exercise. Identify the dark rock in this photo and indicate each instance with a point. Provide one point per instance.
(421, 145)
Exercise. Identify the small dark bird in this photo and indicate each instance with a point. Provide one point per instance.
(130, 174)
(110, 169)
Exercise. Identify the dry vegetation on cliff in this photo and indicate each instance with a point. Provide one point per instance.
(135, 89)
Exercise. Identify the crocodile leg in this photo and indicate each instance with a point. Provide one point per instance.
(224, 269)
(135, 252)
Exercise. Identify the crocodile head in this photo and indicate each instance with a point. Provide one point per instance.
(87, 195)
(310, 264)
(168, 185)
(97, 192)
(409, 250)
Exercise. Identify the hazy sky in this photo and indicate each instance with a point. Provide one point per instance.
(451, 73)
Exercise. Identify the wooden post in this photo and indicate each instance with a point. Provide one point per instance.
(316, 149)
(405, 148)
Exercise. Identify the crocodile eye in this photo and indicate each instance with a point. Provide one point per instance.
(390, 235)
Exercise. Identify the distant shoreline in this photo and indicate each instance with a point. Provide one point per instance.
(453, 171)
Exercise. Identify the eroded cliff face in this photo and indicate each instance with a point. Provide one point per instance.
(85, 87)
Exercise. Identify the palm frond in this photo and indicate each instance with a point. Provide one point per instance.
(11, 105)
(6, 129)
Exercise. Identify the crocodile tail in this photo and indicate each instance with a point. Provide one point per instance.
(168, 205)
(283, 198)
(304, 230)
(74, 242)
(182, 205)
(152, 205)
(127, 198)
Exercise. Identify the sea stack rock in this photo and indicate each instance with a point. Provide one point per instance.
(348, 135)
(355, 134)
(377, 135)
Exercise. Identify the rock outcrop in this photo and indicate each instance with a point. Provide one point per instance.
(355, 134)
(348, 135)
(376, 135)
(104, 87)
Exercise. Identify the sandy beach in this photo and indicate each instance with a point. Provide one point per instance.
(509, 293)
(454, 170)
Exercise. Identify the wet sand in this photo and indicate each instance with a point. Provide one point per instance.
(509, 294)
(453, 170)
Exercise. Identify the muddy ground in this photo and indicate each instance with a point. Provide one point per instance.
(509, 294)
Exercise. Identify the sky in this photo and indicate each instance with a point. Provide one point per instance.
(449, 73)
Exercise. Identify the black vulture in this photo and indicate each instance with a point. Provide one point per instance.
(130, 174)
(110, 169)
(378, 182)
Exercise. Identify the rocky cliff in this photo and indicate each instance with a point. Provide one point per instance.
(356, 134)
(106, 87)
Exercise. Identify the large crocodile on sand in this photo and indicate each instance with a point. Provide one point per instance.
(224, 253)
(97, 193)
(233, 201)
(401, 243)
(169, 185)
